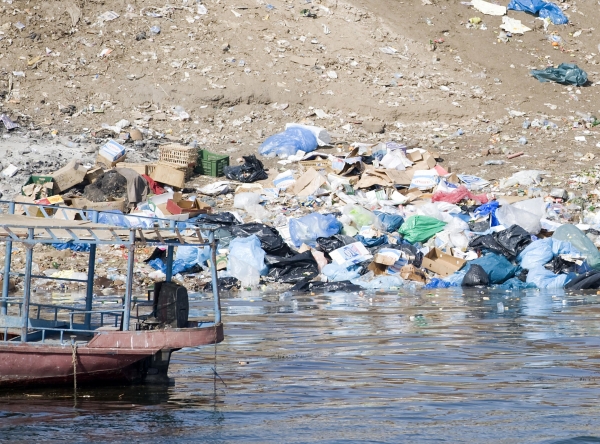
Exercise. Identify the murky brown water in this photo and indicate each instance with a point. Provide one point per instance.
(429, 367)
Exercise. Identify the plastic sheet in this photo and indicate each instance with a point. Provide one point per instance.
(300, 267)
(541, 8)
(224, 284)
(457, 195)
(580, 242)
(566, 74)
(420, 228)
(380, 283)
(246, 260)
(324, 287)
(307, 229)
(288, 143)
(514, 284)
(73, 247)
(178, 266)
(476, 276)
(543, 279)
(270, 239)
(251, 171)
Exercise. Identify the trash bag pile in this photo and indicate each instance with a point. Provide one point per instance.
(374, 216)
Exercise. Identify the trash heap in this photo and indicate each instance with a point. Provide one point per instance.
(340, 216)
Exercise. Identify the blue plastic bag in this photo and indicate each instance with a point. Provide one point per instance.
(389, 222)
(73, 247)
(192, 255)
(288, 143)
(542, 251)
(307, 229)
(487, 209)
(437, 283)
(372, 241)
(336, 272)
(178, 266)
(113, 218)
(542, 8)
(542, 278)
(498, 268)
(514, 284)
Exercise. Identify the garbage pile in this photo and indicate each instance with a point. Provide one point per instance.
(344, 217)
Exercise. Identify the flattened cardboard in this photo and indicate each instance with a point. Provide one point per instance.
(384, 259)
(191, 207)
(411, 273)
(169, 176)
(93, 174)
(308, 183)
(110, 205)
(441, 263)
(71, 174)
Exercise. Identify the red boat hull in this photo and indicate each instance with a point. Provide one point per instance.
(118, 357)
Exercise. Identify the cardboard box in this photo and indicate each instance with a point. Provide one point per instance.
(441, 263)
(101, 160)
(110, 205)
(162, 213)
(169, 176)
(191, 207)
(93, 174)
(385, 259)
(411, 273)
(140, 168)
(308, 183)
(38, 187)
(73, 173)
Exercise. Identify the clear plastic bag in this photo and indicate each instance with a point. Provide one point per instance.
(527, 214)
(307, 229)
(361, 217)
(580, 242)
(246, 260)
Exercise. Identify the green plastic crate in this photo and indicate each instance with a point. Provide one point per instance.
(211, 164)
(39, 180)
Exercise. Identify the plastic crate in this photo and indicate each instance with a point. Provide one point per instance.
(178, 154)
(211, 164)
(40, 180)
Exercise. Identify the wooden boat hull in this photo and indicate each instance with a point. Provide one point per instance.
(110, 358)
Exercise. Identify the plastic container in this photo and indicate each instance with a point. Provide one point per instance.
(211, 164)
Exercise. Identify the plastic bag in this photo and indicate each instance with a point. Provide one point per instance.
(216, 219)
(514, 284)
(192, 256)
(288, 143)
(566, 74)
(542, 251)
(242, 200)
(371, 241)
(360, 216)
(178, 266)
(580, 242)
(420, 228)
(270, 239)
(542, 8)
(73, 247)
(497, 267)
(328, 244)
(542, 278)
(388, 222)
(586, 281)
(307, 229)
(524, 178)
(113, 218)
(300, 267)
(476, 276)
(246, 260)
(336, 272)
(224, 284)
(251, 171)
(488, 209)
(512, 240)
(457, 195)
(526, 214)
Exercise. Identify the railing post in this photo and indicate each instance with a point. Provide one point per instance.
(7, 259)
(215, 279)
(89, 295)
(27, 284)
(129, 285)
(169, 273)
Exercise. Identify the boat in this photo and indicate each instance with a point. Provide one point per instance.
(53, 344)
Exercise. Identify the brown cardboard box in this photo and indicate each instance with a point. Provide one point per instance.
(384, 259)
(441, 263)
(71, 174)
(191, 207)
(169, 176)
(308, 183)
(109, 205)
(93, 174)
(140, 168)
(411, 273)
(101, 160)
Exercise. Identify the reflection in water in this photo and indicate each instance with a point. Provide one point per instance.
(458, 366)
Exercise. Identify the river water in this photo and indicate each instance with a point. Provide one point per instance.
(439, 366)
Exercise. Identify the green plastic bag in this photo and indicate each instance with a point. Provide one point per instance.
(420, 228)
(566, 73)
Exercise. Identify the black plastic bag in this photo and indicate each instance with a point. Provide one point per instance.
(585, 281)
(328, 244)
(216, 219)
(224, 284)
(323, 287)
(251, 171)
(270, 239)
(291, 270)
(559, 265)
(476, 276)
(509, 243)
